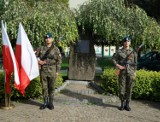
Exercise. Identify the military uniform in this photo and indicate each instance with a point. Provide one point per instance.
(128, 59)
(48, 71)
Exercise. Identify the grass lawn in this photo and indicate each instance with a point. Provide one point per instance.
(105, 62)
(102, 62)
(65, 64)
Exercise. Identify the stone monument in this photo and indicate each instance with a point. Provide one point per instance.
(82, 60)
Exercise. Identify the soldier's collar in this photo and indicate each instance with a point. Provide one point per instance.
(130, 49)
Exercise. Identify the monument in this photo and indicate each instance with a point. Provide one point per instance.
(82, 60)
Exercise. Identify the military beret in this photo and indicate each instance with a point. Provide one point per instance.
(127, 38)
(48, 35)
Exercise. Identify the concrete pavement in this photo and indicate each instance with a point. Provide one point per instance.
(77, 101)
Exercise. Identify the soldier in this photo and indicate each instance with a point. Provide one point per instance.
(125, 60)
(49, 59)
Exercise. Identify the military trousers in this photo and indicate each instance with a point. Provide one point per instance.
(126, 83)
(47, 86)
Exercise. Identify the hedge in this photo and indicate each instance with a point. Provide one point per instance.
(146, 86)
(33, 90)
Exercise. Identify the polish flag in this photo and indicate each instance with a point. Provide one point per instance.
(9, 61)
(27, 60)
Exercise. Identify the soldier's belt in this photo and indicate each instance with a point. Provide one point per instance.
(129, 64)
(49, 64)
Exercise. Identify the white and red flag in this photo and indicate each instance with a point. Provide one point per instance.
(26, 58)
(9, 62)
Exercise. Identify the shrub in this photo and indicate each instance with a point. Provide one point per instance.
(142, 88)
(33, 90)
(146, 84)
(110, 83)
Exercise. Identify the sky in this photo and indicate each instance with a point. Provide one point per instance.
(76, 3)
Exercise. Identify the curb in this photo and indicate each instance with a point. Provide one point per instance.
(61, 87)
(69, 82)
(96, 87)
(87, 83)
(107, 99)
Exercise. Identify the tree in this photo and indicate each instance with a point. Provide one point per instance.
(110, 21)
(39, 19)
(128, 3)
(32, 2)
(4, 5)
(150, 6)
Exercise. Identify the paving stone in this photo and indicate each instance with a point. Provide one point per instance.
(78, 103)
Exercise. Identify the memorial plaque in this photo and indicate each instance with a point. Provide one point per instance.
(82, 46)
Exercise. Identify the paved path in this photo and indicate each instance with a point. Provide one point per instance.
(78, 102)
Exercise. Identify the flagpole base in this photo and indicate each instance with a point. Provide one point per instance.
(7, 107)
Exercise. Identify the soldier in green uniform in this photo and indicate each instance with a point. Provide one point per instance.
(125, 60)
(49, 60)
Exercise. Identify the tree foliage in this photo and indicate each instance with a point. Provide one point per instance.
(150, 6)
(39, 19)
(32, 2)
(4, 5)
(111, 20)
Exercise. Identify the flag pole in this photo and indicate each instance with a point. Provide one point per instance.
(6, 99)
(7, 103)
(5, 93)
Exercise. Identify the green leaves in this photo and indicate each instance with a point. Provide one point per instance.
(41, 18)
(111, 21)
(146, 84)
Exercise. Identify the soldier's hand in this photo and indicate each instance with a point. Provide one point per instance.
(120, 67)
(41, 62)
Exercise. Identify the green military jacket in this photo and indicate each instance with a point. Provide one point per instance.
(127, 58)
(53, 60)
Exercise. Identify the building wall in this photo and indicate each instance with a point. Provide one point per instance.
(108, 51)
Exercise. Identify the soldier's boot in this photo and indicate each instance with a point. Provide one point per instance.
(45, 104)
(50, 105)
(127, 106)
(122, 105)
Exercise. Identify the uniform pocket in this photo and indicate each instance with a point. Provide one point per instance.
(122, 55)
(131, 57)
